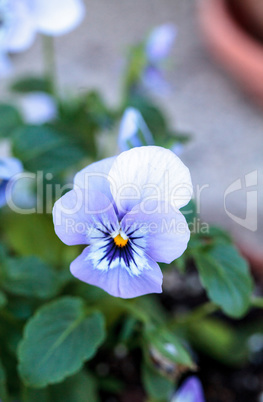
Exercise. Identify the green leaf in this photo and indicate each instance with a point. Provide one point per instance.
(190, 212)
(152, 115)
(34, 235)
(3, 388)
(31, 84)
(152, 308)
(97, 111)
(136, 63)
(218, 234)
(29, 276)
(58, 340)
(10, 119)
(81, 387)
(219, 340)
(3, 300)
(226, 278)
(157, 387)
(41, 148)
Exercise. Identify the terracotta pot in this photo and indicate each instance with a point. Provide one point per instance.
(236, 49)
(250, 14)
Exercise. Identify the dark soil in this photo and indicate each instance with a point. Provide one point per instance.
(221, 383)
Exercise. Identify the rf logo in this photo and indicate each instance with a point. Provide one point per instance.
(251, 219)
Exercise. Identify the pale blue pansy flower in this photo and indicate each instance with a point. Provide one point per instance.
(126, 209)
(133, 131)
(9, 167)
(160, 43)
(157, 49)
(20, 21)
(190, 391)
(38, 108)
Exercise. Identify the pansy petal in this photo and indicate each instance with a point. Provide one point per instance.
(95, 177)
(149, 173)
(160, 42)
(58, 17)
(117, 281)
(81, 217)
(3, 185)
(21, 31)
(133, 132)
(190, 391)
(163, 228)
(5, 65)
(9, 167)
(153, 80)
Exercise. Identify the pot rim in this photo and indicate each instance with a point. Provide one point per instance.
(229, 43)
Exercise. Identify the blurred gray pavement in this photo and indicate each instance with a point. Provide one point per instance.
(227, 128)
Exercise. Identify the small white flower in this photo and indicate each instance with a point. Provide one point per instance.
(20, 21)
(38, 108)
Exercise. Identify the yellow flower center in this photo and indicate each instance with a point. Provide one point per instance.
(120, 241)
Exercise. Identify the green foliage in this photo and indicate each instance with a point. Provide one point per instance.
(43, 149)
(34, 235)
(136, 63)
(169, 346)
(52, 325)
(157, 386)
(189, 212)
(81, 387)
(29, 276)
(31, 84)
(225, 276)
(10, 119)
(3, 388)
(219, 340)
(153, 116)
(3, 300)
(58, 340)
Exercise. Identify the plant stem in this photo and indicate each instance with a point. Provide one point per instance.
(196, 315)
(8, 317)
(50, 64)
(257, 302)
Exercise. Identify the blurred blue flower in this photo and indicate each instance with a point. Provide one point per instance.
(190, 391)
(177, 148)
(133, 132)
(160, 43)
(5, 65)
(38, 108)
(158, 48)
(8, 168)
(126, 208)
(153, 79)
(21, 20)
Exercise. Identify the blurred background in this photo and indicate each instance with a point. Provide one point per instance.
(226, 125)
